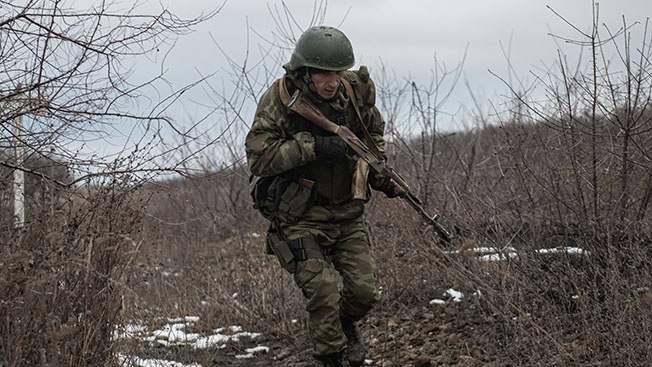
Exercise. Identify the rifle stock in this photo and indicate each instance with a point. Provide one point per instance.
(306, 109)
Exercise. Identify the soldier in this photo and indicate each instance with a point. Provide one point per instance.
(313, 189)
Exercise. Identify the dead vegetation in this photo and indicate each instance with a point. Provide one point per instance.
(534, 308)
(572, 171)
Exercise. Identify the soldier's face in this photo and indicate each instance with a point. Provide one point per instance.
(327, 82)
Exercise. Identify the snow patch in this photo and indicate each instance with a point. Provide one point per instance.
(175, 333)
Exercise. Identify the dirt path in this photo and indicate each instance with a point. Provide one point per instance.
(433, 336)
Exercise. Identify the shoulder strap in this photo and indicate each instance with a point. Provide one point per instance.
(354, 100)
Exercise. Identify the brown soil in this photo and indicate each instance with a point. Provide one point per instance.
(452, 334)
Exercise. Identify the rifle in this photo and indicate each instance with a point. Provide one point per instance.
(306, 109)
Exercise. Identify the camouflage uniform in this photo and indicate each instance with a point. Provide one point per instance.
(281, 142)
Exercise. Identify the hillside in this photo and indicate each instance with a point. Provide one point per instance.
(544, 282)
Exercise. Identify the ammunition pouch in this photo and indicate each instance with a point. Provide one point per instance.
(282, 197)
(289, 252)
(294, 202)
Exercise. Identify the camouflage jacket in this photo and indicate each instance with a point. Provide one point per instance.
(281, 142)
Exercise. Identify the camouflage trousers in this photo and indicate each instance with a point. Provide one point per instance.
(326, 299)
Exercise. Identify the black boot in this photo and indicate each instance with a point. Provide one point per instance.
(333, 360)
(356, 351)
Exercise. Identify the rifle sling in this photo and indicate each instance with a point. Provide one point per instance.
(285, 98)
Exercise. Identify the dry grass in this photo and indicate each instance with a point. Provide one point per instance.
(62, 279)
(195, 247)
(534, 309)
(571, 172)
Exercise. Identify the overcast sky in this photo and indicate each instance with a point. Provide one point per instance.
(403, 36)
(406, 36)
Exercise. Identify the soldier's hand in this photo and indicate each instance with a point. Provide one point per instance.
(388, 186)
(329, 147)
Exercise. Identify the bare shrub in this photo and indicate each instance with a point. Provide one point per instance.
(67, 83)
(567, 171)
(62, 280)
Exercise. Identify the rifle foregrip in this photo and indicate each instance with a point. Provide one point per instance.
(443, 233)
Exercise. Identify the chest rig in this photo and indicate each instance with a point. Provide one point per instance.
(345, 179)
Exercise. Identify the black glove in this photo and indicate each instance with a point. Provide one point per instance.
(386, 185)
(329, 147)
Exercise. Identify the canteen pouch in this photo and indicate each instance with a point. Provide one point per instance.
(295, 200)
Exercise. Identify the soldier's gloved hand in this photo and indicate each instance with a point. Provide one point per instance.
(386, 185)
(329, 147)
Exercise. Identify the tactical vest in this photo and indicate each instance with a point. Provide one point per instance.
(331, 182)
(333, 179)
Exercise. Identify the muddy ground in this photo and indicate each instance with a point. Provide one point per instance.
(451, 334)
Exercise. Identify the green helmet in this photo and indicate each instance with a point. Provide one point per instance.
(324, 48)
